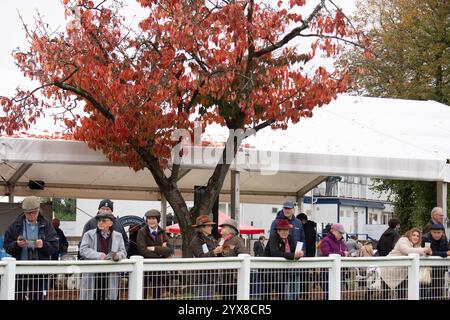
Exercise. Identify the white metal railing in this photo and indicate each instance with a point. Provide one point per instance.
(243, 278)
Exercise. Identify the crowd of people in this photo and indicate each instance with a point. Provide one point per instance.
(32, 237)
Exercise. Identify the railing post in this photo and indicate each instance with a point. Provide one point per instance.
(8, 289)
(413, 277)
(243, 290)
(135, 284)
(334, 279)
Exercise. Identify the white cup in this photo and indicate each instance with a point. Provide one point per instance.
(427, 244)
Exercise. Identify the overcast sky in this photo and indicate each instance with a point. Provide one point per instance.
(13, 36)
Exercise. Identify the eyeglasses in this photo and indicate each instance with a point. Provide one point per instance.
(32, 212)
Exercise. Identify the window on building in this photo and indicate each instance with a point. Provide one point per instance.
(274, 210)
(373, 218)
(386, 216)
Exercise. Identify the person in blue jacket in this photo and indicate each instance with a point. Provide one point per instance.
(288, 213)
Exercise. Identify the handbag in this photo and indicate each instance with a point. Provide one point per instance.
(425, 275)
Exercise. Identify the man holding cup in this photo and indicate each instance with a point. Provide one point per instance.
(437, 241)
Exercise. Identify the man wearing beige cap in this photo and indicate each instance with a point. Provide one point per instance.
(31, 237)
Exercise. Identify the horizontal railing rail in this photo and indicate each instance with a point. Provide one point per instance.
(241, 277)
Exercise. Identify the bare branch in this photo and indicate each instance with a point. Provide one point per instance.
(32, 92)
(291, 35)
(333, 37)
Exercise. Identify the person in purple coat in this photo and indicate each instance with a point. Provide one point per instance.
(334, 242)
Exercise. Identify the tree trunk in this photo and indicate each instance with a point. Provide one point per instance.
(184, 217)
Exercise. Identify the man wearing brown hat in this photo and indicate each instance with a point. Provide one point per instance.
(31, 237)
(152, 243)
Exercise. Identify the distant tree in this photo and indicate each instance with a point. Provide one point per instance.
(410, 41)
(64, 209)
(410, 57)
(413, 200)
(128, 90)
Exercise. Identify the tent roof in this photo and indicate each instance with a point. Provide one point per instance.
(373, 137)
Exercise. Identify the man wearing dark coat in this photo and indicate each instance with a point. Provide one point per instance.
(437, 217)
(153, 243)
(438, 243)
(310, 229)
(259, 246)
(389, 238)
(31, 237)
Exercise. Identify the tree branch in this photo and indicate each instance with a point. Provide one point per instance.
(106, 113)
(31, 93)
(263, 125)
(291, 35)
(323, 36)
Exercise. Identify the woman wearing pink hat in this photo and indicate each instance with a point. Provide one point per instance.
(332, 243)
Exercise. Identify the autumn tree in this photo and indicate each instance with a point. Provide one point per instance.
(410, 50)
(238, 63)
(410, 60)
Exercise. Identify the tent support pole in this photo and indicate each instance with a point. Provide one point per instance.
(441, 191)
(235, 195)
(11, 193)
(163, 211)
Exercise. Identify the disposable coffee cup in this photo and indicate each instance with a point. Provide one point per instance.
(427, 244)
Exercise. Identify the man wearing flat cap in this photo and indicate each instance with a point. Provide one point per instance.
(438, 243)
(31, 237)
(152, 240)
(153, 243)
(106, 206)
